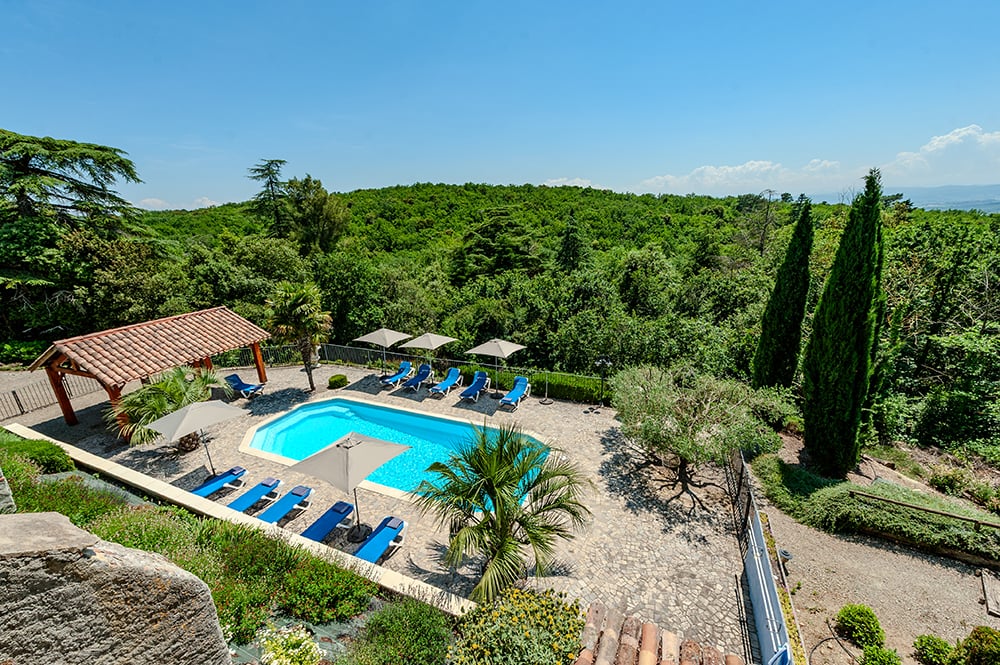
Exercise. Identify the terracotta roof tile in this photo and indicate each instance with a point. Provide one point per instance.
(125, 354)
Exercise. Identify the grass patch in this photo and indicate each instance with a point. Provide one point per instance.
(50, 457)
(406, 631)
(827, 504)
(899, 458)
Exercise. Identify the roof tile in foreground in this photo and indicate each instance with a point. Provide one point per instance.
(125, 354)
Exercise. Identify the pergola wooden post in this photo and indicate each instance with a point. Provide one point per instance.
(115, 395)
(258, 361)
(56, 381)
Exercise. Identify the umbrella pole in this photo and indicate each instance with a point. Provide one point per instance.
(208, 454)
(359, 531)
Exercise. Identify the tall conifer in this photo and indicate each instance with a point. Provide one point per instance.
(777, 354)
(838, 360)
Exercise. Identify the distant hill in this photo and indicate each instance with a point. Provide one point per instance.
(949, 197)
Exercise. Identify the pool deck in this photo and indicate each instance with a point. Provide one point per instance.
(641, 554)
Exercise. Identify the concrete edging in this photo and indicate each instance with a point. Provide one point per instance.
(385, 578)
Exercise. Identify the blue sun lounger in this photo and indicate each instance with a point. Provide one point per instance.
(266, 490)
(389, 533)
(480, 382)
(335, 517)
(404, 371)
(519, 391)
(452, 379)
(219, 481)
(296, 499)
(248, 390)
(423, 375)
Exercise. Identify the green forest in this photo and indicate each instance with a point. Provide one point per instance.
(574, 274)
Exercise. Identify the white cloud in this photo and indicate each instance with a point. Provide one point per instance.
(204, 202)
(963, 156)
(153, 204)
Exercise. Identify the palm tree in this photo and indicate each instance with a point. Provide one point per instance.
(501, 495)
(295, 315)
(174, 389)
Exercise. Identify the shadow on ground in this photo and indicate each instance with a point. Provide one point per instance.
(276, 402)
(627, 474)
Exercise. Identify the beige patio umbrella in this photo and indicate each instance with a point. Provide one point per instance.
(345, 463)
(498, 348)
(383, 337)
(428, 341)
(195, 417)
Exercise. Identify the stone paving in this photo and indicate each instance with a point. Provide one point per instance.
(642, 553)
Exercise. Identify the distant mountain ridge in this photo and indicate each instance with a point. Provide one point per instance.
(948, 197)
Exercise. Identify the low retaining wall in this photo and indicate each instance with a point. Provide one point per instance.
(385, 578)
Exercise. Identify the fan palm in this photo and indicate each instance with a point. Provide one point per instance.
(295, 315)
(174, 389)
(503, 496)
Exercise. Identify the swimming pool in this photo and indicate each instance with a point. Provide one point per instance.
(312, 427)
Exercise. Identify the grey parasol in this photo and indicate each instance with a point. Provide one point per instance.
(195, 417)
(348, 461)
(428, 341)
(383, 337)
(498, 348)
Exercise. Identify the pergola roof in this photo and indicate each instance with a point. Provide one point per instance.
(118, 356)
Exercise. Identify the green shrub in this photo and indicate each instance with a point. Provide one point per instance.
(19, 471)
(166, 530)
(50, 457)
(337, 381)
(406, 631)
(319, 591)
(951, 481)
(248, 554)
(520, 627)
(22, 353)
(981, 647)
(79, 502)
(932, 650)
(859, 624)
(876, 655)
(583, 389)
(288, 646)
(243, 607)
(775, 407)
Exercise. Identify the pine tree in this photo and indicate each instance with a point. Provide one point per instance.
(777, 354)
(838, 360)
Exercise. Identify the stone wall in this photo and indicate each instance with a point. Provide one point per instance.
(68, 597)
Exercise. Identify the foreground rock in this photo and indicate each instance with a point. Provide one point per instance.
(69, 597)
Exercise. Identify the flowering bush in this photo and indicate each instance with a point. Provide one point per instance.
(520, 627)
(288, 646)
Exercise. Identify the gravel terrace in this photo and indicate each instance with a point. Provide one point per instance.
(642, 553)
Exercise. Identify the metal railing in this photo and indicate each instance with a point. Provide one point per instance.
(39, 394)
(772, 632)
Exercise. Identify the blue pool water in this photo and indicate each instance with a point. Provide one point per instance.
(312, 427)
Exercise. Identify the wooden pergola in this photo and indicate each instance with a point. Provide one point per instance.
(119, 356)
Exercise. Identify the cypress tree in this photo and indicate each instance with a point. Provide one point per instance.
(838, 360)
(777, 354)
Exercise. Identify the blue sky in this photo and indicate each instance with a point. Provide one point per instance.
(679, 97)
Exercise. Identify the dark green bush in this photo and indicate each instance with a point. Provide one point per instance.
(406, 631)
(521, 627)
(981, 647)
(337, 381)
(22, 353)
(248, 554)
(932, 650)
(951, 481)
(319, 592)
(859, 624)
(243, 606)
(775, 407)
(876, 655)
(50, 457)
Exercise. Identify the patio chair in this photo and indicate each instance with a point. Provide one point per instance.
(265, 490)
(389, 533)
(227, 479)
(336, 517)
(404, 371)
(452, 379)
(296, 499)
(248, 390)
(519, 391)
(422, 376)
(480, 383)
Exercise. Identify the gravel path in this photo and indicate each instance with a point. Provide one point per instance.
(912, 593)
